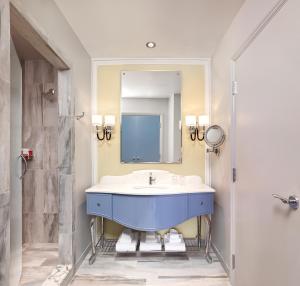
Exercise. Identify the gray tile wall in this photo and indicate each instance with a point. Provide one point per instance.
(66, 177)
(4, 140)
(40, 132)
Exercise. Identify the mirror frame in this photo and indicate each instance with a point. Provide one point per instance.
(219, 142)
(120, 116)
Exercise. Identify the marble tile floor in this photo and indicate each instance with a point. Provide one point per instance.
(38, 262)
(156, 270)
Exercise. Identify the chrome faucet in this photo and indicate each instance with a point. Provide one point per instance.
(151, 179)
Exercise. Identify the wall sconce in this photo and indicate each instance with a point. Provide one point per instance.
(105, 127)
(109, 124)
(191, 123)
(196, 128)
(203, 121)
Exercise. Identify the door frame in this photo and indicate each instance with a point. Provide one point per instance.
(234, 93)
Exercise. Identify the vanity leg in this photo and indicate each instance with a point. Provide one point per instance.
(92, 230)
(208, 239)
(102, 233)
(199, 231)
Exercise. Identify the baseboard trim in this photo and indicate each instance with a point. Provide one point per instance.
(221, 259)
(68, 278)
(82, 257)
(71, 274)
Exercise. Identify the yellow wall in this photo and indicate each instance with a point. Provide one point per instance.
(193, 153)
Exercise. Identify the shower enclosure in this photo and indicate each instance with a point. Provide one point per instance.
(42, 120)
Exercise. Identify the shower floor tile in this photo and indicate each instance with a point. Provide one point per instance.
(38, 261)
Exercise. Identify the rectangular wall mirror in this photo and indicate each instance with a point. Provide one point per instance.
(151, 117)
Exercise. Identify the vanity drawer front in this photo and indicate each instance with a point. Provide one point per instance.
(99, 204)
(201, 204)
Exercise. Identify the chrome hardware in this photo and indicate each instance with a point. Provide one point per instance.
(93, 234)
(79, 116)
(208, 239)
(96, 244)
(151, 179)
(50, 92)
(199, 231)
(25, 166)
(292, 200)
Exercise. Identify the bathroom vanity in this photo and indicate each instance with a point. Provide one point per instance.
(150, 201)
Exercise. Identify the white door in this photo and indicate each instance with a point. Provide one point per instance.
(16, 169)
(268, 154)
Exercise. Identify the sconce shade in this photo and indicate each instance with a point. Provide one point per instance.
(97, 120)
(190, 121)
(109, 120)
(203, 120)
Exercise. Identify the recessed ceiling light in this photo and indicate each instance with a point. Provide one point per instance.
(151, 45)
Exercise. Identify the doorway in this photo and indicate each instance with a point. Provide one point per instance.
(267, 157)
(41, 227)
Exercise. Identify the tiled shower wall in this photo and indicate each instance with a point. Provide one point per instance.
(40, 132)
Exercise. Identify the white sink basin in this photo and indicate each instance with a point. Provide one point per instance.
(151, 187)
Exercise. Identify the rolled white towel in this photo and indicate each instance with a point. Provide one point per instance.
(173, 231)
(127, 246)
(174, 239)
(175, 247)
(173, 236)
(172, 246)
(126, 236)
(150, 241)
(144, 246)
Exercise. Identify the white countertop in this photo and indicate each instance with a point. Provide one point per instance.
(146, 190)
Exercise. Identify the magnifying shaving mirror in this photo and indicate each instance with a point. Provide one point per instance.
(214, 138)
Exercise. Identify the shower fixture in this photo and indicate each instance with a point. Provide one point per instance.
(50, 92)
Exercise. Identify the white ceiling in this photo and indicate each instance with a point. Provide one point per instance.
(150, 84)
(120, 28)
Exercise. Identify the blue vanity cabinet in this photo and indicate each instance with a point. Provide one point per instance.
(200, 204)
(153, 211)
(149, 213)
(99, 205)
(173, 210)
